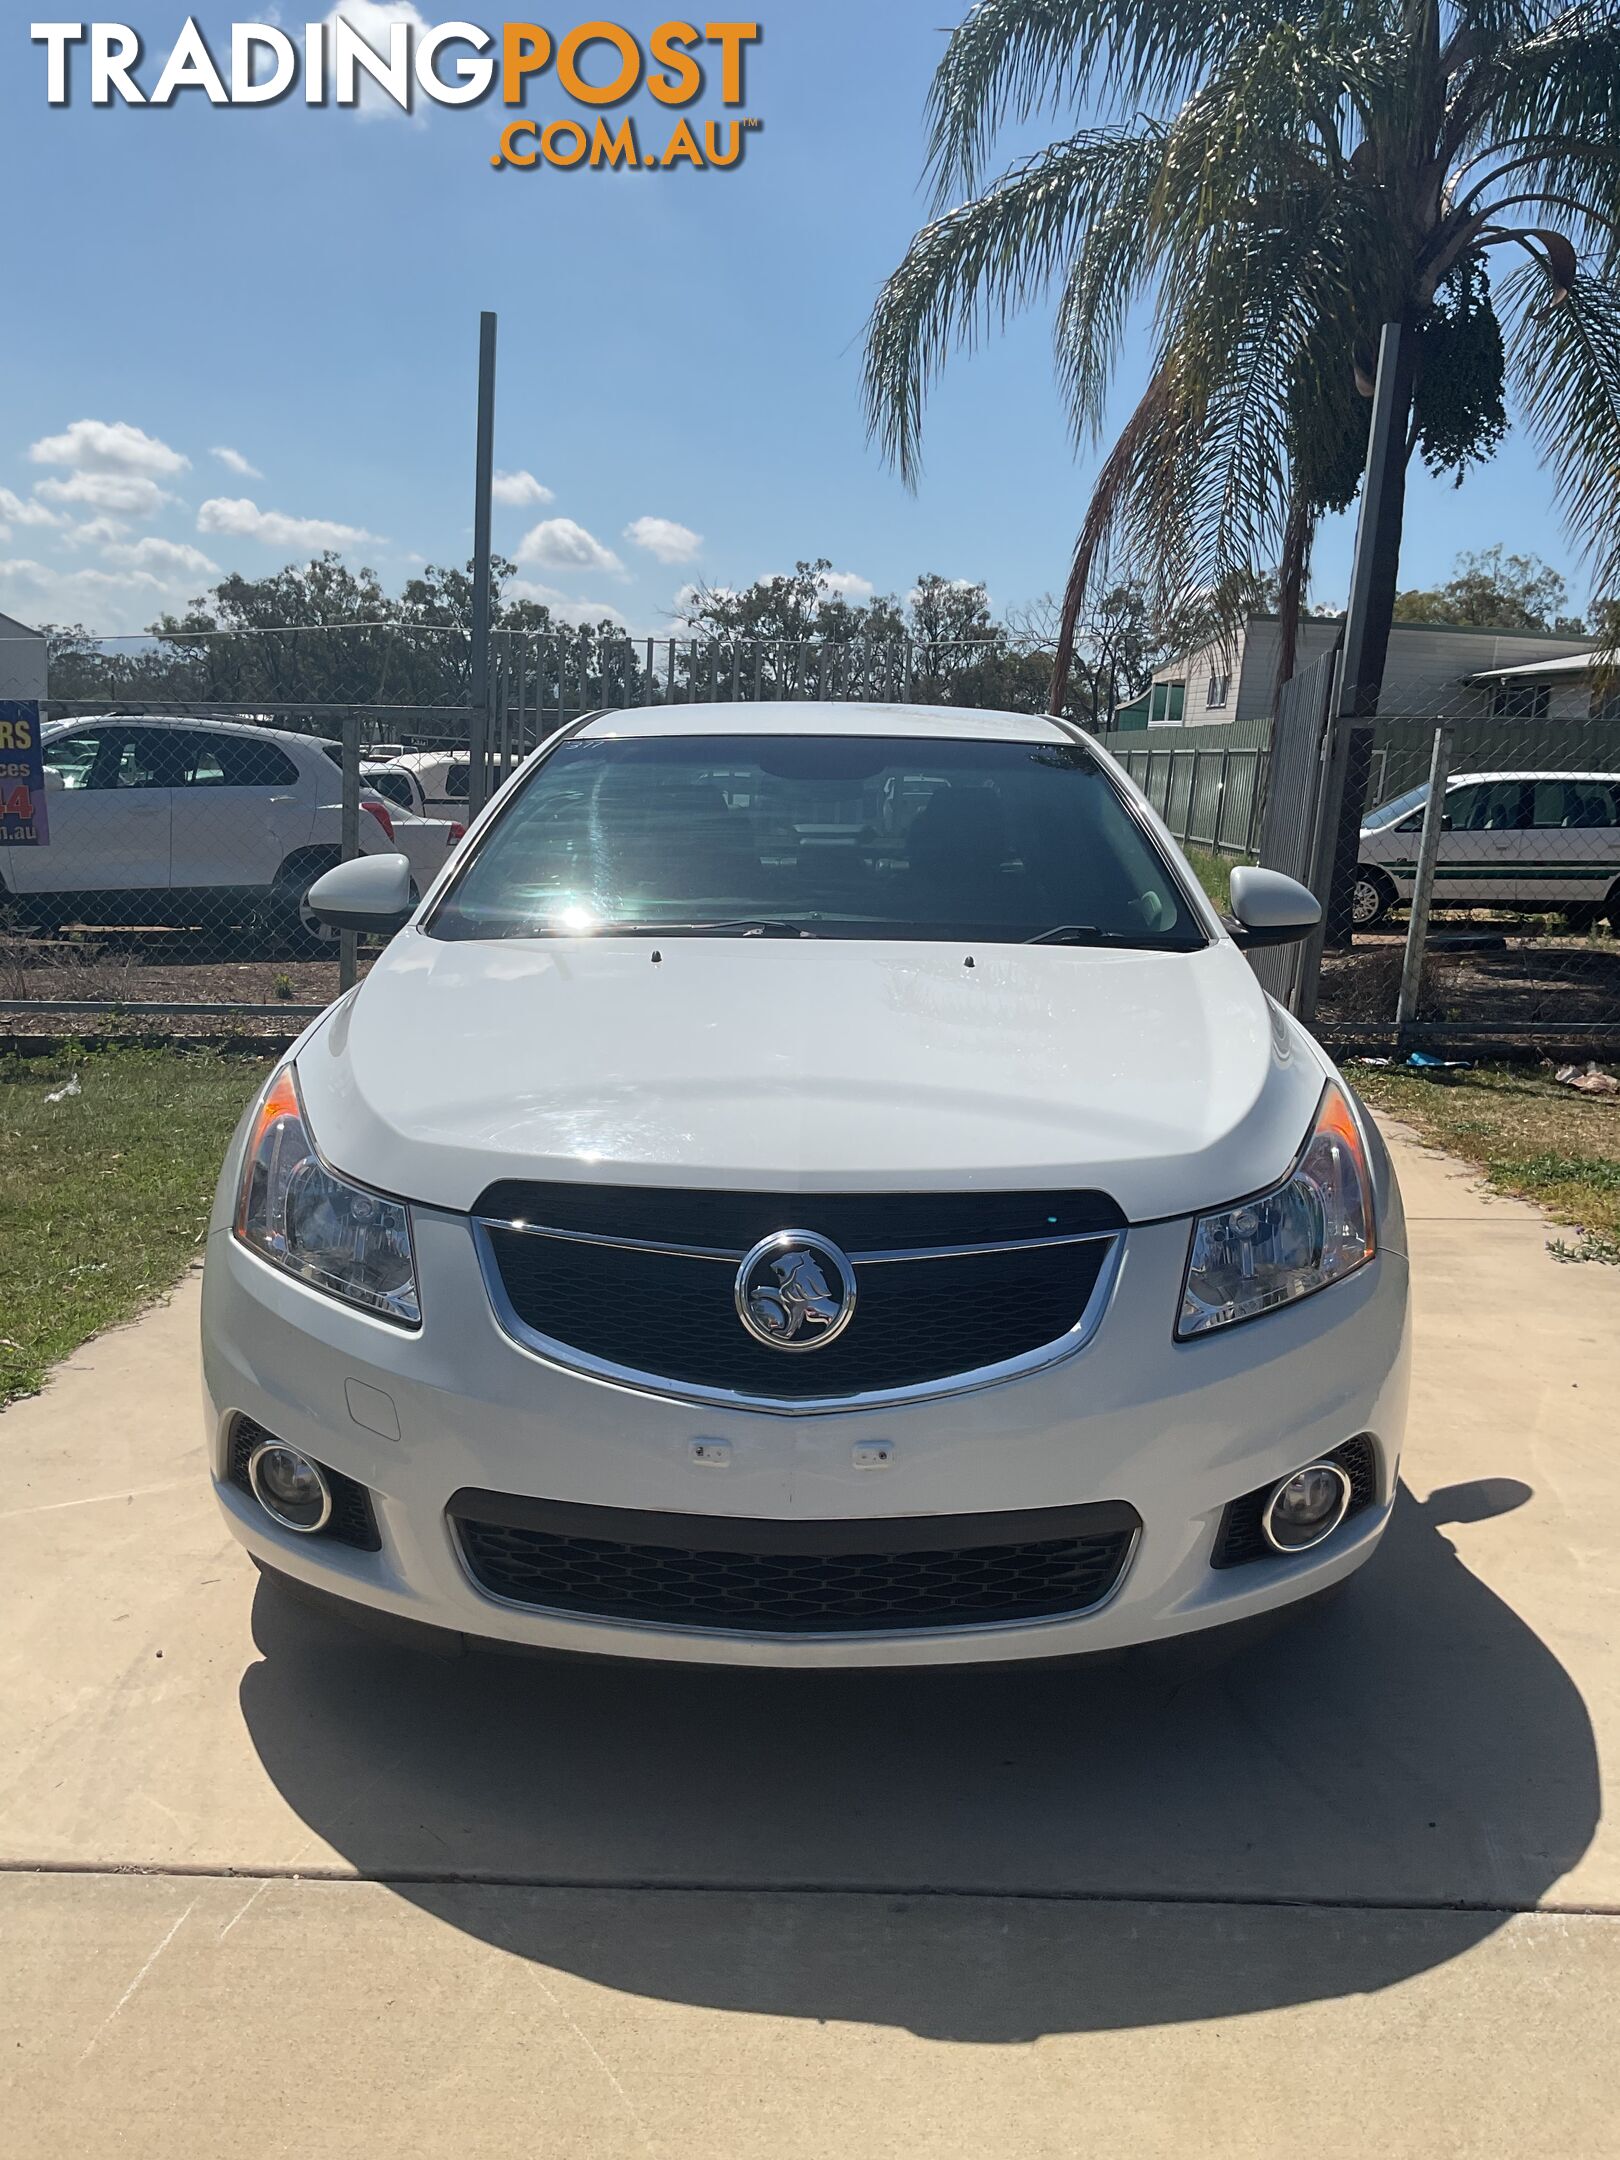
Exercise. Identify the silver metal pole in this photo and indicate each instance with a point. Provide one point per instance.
(348, 944)
(478, 725)
(1417, 926)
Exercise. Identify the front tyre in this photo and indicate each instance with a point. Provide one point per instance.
(1372, 898)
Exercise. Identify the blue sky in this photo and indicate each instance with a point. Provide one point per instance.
(302, 288)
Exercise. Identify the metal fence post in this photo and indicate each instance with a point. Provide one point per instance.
(348, 943)
(478, 745)
(1417, 926)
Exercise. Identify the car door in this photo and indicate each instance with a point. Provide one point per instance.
(1573, 837)
(109, 809)
(1484, 847)
(239, 810)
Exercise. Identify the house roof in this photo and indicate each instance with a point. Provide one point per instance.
(1568, 667)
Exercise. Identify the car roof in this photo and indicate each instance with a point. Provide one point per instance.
(812, 716)
(414, 760)
(187, 720)
(1471, 779)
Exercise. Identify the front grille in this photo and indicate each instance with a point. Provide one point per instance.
(672, 1315)
(351, 1521)
(785, 1578)
(1240, 1537)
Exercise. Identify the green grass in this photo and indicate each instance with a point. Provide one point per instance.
(106, 1193)
(1213, 872)
(1530, 1136)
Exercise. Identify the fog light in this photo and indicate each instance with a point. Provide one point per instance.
(290, 1487)
(1306, 1508)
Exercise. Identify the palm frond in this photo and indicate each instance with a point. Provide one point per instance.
(982, 261)
(1009, 59)
(1564, 354)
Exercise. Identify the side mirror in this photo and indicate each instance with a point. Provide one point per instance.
(1270, 909)
(372, 893)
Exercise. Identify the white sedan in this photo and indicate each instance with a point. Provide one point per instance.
(816, 1185)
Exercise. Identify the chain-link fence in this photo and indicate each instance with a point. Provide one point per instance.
(196, 785)
(1486, 903)
(1486, 910)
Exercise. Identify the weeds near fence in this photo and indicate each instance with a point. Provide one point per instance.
(1531, 1136)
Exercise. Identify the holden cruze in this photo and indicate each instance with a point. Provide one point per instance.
(811, 1185)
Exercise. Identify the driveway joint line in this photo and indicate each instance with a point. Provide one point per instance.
(470, 1879)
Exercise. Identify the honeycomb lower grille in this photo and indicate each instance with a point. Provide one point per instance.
(351, 1522)
(1240, 1537)
(794, 1578)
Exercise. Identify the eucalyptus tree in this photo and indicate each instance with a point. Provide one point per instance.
(1265, 184)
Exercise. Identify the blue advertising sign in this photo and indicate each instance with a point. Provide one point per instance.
(23, 820)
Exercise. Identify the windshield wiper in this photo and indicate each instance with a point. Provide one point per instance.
(775, 926)
(1088, 934)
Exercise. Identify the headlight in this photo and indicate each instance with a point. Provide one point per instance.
(1313, 1229)
(296, 1213)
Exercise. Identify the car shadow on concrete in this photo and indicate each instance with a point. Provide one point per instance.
(981, 1854)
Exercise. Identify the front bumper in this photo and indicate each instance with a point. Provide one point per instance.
(1175, 1430)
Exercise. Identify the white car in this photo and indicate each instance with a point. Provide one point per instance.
(442, 780)
(171, 820)
(925, 1244)
(1519, 840)
(426, 842)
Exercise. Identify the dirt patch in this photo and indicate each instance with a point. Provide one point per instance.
(1553, 984)
(144, 967)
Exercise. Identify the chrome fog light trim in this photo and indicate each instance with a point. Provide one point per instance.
(275, 1472)
(1306, 1507)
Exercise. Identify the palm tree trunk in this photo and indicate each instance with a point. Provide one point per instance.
(1292, 573)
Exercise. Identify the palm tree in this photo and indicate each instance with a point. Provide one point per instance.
(1274, 180)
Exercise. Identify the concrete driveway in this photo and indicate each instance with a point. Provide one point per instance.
(272, 1889)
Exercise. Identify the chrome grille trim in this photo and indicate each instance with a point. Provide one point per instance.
(734, 1258)
(570, 1359)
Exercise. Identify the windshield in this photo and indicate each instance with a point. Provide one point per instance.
(1398, 806)
(827, 836)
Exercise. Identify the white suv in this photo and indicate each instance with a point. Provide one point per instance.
(815, 1185)
(187, 821)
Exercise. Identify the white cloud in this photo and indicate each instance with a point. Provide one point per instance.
(16, 511)
(111, 603)
(560, 544)
(563, 609)
(952, 584)
(846, 585)
(589, 612)
(235, 462)
(671, 543)
(520, 490)
(126, 494)
(158, 555)
(685, 603)
(242, 519)
(108, 446)
(95, 532)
